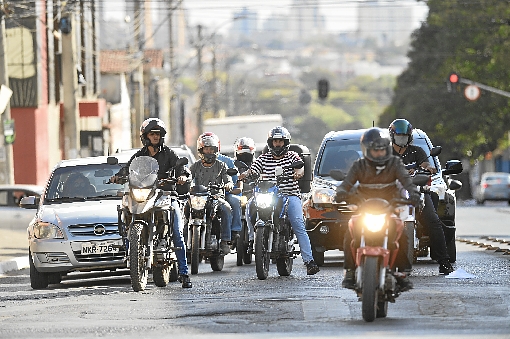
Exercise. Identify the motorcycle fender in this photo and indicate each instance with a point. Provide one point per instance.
(372, 252)
(259, 223)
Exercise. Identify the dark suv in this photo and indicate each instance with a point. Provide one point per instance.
(326, 224)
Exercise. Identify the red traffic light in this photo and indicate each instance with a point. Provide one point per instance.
(454, 78)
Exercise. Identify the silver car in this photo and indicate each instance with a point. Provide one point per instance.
(13, 217)
(493, 186)
(75, 227)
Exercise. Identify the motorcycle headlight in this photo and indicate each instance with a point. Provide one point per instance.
(46, 230)
(264, 200)
(141, 194)
(198, 203)
(374, 222)
(323, 196)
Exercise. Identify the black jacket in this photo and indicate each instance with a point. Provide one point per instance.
(378, 182)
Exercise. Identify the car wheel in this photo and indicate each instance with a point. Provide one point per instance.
(38, 280)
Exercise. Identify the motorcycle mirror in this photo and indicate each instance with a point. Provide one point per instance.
(297, 164)
(232, 171)
(455, 185)
(112, 161)
(435, 151)
(278, 171)
(420, 179)
(181, 161)
(337, 174)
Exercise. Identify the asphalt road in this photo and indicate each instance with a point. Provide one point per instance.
(235, 304)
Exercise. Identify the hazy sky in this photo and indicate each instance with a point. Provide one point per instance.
(340, 15)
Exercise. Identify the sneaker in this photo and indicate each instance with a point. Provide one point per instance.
(403, 282)
(311, 268)
(349, 279)
(185, 280)
(445, 267)
(225, 247)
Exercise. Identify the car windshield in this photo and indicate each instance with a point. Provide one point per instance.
(86, 182)
(339, 154)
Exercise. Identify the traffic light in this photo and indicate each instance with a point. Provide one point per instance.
(452, 82)
(323, 88)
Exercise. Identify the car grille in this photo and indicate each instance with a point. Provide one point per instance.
(91, 230)
(119, 256)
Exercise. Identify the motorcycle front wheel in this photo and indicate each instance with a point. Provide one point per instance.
(195, 250)
(137, 261)
(261, 253)
(242, 245)
(370, 281)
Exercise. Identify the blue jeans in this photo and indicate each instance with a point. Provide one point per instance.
(235, 204)
(226, 219)
(295, 214)
(178, 239)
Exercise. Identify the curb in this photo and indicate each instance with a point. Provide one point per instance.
(14, 264)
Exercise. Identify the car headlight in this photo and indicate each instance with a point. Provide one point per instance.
(198, 202)
(141, 194)
(323, 196)
(46, 230)
(264, 200)
(374, 222)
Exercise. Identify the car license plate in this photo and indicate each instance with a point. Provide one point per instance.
(100, 247)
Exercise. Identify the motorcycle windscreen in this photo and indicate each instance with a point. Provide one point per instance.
(143, 172)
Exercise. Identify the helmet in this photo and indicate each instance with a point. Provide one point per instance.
(278, 133)
(152, 124)
(401, 126)
(244, 150)
(208, 139)
(376, 138)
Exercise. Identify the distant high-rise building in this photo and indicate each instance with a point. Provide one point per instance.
(387, 22)
(305, 21)
(245, 23)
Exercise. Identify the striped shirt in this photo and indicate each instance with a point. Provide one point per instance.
(266, 165)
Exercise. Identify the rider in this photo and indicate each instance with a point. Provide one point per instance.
(401, 132)
(376, 173)
(208, 170)
(152, 135)
(280, 155)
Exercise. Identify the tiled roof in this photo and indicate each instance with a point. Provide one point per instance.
(120, 61)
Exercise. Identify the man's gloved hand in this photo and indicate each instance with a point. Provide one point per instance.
(341, 196)
(415, 198)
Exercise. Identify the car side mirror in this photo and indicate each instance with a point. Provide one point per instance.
(30, 202)
(452, 167)
(337, 174)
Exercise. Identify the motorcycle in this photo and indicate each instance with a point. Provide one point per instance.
(274, 238)
(144, 219)
(375, 229)
(204, 225)
(244, 247)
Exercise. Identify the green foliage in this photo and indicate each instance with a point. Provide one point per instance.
(470, 38)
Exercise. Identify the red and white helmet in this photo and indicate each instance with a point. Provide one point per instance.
(244, 145)
(208, 139)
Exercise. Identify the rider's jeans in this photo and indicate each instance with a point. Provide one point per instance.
(295, 214)
(235, 204)
(226, 219)
(429, 219)
(178, 239)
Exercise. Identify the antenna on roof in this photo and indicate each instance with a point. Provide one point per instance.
(373, 123)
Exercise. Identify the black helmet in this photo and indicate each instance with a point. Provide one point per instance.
(376, 138)
(401, 126)
(278, 133)
(152, 124)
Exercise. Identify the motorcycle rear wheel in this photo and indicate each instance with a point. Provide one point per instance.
(161, 275)
(137, 262)
(173, 273)
(284, 266)
(369, 288)
(242, 244)
(195, 250)
(261, 254)
(217, 262)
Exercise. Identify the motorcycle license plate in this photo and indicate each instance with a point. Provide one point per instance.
(100, 247)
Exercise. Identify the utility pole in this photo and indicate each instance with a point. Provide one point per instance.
(200, 113)
(8, 163)
(70, 87)
(175, 137)
(137, 79)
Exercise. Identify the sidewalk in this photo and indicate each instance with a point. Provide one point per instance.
(13, 250)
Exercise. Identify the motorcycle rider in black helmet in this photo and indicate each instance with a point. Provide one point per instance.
(280, 155)
(401, 132)
(152, 135)
(376, 173)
